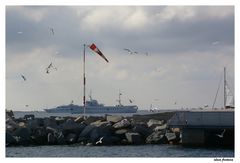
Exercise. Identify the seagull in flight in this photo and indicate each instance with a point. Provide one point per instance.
(19, 32)
(50, 66)
(52, 31)
(215, 43)
(99, 141)
(221, 135)
(131, 52)
(24, 78)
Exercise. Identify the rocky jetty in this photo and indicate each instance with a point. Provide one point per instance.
(92, 130)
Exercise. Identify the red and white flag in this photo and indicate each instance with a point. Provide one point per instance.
(94, 48)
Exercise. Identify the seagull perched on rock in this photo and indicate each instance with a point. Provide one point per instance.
(221, 135)
(24, 78)
(99, 141)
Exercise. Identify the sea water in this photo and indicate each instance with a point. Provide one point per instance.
(117, 151)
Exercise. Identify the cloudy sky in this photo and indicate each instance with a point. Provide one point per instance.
(181, 55)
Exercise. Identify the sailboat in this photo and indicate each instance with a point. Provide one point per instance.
(227, 94)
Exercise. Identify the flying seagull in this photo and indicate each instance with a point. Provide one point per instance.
(99, 141)
(130, 52)
(19, 32)
(215, 43)
(52, 31)
(221, 135)
(50, 66)
(24, 78)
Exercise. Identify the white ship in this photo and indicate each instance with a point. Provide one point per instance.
(92, 106)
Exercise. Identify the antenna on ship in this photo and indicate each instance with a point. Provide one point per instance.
(90, 95)
(119, 98)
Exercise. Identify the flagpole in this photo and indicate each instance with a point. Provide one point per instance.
(84, 83)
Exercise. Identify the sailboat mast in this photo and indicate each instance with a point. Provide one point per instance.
(224, 87)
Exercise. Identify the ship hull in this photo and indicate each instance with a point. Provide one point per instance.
(93, 110)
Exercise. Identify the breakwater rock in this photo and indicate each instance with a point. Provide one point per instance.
(92, 130)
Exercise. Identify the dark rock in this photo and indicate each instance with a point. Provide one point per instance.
(11, 125)
(156, 137)
(50, 122)
(59, 120)
(99, 132)
(29, 117)
(9, 113)
(71, 138)
(86, 133)
(10, 139)
(51, 138)
(143, 130)
(60, 138)
(22, 135)
(39, 136)
(134, 138)
(72, 127)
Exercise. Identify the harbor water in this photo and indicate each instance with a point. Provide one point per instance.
(116, 151)
(77, 150)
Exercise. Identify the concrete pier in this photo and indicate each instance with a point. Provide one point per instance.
(205, 128)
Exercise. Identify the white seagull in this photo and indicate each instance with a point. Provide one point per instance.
(51, 30)
(24, 78)
(221, 135)
(99, 141)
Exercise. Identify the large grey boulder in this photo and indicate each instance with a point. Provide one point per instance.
(101, 123)
(92, 119)
(161, 127)
(114, 118)
(170, 136)
(122, 124)
(134, 138)
(156, 137)
(153, 123)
